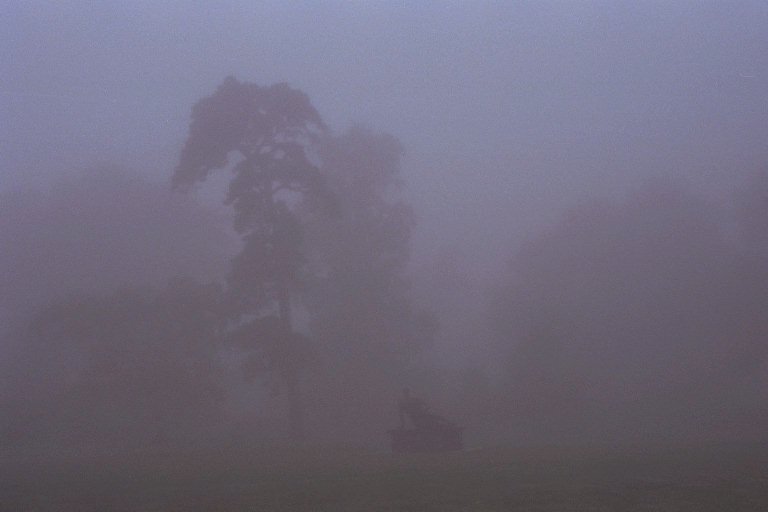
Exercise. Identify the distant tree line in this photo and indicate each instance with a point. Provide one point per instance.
(640, 319)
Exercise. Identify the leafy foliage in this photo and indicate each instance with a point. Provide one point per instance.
(267, 130)
(270, 130)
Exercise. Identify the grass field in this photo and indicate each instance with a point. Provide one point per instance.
(544, 479)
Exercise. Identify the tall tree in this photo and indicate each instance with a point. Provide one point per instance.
(267, 132)
(369, 333)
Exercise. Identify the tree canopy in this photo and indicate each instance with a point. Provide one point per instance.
(268, 134)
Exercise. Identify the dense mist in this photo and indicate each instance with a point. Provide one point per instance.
(256, 223)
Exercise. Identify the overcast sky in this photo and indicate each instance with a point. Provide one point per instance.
(509, 111)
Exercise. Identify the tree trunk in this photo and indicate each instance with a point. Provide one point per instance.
(290, 370)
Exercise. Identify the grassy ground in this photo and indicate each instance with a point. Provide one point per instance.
(546, 479)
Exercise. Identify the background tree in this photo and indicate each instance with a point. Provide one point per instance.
(369, 333)
(131, 366)
(101, 229)
(641, 313)
(266, 132)
(751, 213)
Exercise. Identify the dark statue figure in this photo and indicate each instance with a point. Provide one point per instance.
(421, 430)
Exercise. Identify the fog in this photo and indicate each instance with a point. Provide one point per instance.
(549, 220)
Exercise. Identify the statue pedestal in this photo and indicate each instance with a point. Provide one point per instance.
(440, 439)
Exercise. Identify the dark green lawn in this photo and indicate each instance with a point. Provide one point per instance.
(547, 479)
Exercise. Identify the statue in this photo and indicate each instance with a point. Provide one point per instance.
(424, 431)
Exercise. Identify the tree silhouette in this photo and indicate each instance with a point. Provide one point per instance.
(266, 133)
(360, 311)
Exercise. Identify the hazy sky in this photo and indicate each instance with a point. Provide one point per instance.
(509, 111)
